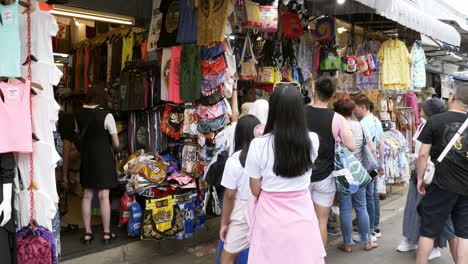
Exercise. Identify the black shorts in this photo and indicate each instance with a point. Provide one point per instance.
(436, 207)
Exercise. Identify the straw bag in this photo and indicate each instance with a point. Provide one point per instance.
(248, 68)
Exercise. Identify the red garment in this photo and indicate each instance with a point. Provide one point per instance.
(213, 67)
(174, 76)
(86, 70)
(143, 47)
(45, 7)
(411, 100)
(77, 71)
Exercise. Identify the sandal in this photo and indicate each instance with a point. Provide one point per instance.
(111, 238)
(345, 248)
(372, 247)
(85, 241)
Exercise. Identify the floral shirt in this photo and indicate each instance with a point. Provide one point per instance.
(395, 60)
(418, 66)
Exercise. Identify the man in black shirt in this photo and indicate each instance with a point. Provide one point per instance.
(324, 122)
(448, 194)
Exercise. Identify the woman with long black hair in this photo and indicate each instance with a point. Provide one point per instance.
(284, 226)
(235, 217)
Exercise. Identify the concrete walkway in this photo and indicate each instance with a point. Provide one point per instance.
(172, 252)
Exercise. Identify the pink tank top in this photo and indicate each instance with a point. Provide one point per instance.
(15, 118)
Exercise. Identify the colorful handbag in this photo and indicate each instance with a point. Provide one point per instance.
(329, 60)
(350, 175)
(351, 64)
(269, 19)
(292, 26)
(248, 68)
(251, 18)
(362, 63)
(269, 75)
(325, 29)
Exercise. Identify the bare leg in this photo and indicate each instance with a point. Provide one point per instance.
(322, 216)
(462, 251)
(453, 243)
(228, 258)
(105, 210)
(425, 246)
(86, 209)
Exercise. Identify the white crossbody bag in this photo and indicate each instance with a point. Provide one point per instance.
(430, 169)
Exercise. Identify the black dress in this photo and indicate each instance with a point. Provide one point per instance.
(7, 232)
(98, 169)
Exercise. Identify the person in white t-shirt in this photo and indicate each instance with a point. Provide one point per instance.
(284, 226)
(235, 217)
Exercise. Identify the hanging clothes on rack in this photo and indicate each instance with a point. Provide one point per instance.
(394, 66)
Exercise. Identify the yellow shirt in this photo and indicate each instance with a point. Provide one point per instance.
(127, 49)
(395, 60)
(212, 16)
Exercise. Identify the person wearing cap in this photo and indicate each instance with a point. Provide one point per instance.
(411, 218)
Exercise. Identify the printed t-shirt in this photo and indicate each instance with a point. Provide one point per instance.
(188, 22)
(235, 179)
(452, 173)
(10, 40)
(170, 23)
(174, 76)
(260, 162)
(165, 70)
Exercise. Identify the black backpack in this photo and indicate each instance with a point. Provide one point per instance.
(215, 172)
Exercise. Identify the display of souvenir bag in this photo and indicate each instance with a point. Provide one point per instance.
(269, 75)
(350, 175)
(251, 16)
(362, 63)
(230, 59)
(287, 74)
(351, 64)
(292, 26)
(269, 18)
(329, 59)
(370, 62)
(249, 67)
(325, 29)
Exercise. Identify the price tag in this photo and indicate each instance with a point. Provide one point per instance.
(12, 93)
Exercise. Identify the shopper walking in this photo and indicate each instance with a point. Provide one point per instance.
(411, 219)
(448, 194)
(235, 217)
(373, 124)
(320, 120)
(98, 133)
(284, 226)
(356, 200)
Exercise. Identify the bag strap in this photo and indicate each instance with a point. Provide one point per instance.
(364, 140)
(452, 142)
(243, 51)
(338, 131)
(228, 46)
(252, 51)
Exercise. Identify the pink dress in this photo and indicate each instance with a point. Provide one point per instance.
(15, 118)
(285, 229)
(174, 76)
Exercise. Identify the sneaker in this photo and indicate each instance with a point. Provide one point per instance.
(357, 238)
(333, 231)
(435, 254)
(378, 234)
(406, 246)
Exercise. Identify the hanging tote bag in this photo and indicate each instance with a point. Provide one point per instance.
(251, 18)
(350, 175)
(325, 29)
(292, 26)
(248, 68)
(362, 63)
(430, 168)
(329, 60)
(269, 75)
(230, 59)
(269, 18)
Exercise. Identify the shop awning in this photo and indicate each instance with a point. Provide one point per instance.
(409, 15)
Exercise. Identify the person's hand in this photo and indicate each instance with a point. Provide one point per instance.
(422, 187)
(223, 232)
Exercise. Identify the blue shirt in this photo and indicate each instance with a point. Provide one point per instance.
(374, 126)
(10, 41)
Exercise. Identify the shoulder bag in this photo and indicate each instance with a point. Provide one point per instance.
(350, 175)
(248, 68)
(430, 168)
(368, 160)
